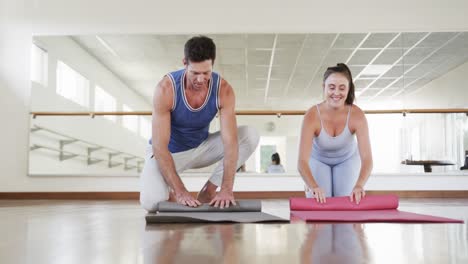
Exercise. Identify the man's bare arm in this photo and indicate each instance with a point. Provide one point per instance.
(161, 124)
(230, 144)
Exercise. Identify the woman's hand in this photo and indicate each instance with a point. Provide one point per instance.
(357, 194)
(319, 194)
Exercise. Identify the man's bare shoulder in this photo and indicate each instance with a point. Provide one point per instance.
(165, 86)
(226, 94)
(225, 87)
(164, 94)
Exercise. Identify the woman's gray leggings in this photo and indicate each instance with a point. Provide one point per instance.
(335, 180)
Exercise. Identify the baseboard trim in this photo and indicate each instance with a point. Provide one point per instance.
(70, 195)
(238, 195)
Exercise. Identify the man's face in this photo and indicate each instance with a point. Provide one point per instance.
(199, 73)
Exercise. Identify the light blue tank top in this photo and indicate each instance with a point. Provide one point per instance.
(334, 150)
(189, 126)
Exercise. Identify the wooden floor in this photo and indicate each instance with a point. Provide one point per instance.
(115, 232)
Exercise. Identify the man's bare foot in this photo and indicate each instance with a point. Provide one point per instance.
(207, 193)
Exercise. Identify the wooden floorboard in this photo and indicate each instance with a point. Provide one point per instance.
(54, 231)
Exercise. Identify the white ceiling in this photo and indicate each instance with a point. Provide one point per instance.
(284, 71)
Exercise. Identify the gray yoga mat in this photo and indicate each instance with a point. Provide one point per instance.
(242, 206)
(246, 211)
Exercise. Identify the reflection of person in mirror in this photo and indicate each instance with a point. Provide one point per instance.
(335, 243)
(331, 161)
(184, 104)
(275, 166)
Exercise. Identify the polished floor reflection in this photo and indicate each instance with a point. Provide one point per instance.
(115, 232)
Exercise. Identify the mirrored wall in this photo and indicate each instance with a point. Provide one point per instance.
(277, 72)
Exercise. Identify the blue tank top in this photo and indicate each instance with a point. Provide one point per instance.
(189, 126)
(334, 150)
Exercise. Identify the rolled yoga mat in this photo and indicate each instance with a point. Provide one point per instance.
(242, 206)
(246, 211)
(372, 208)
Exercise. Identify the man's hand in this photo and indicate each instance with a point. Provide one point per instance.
(184, 198)
(223, 198)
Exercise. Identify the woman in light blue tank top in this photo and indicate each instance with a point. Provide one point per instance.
(335, 157)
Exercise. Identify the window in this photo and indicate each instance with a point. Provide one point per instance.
(72, 85)
(145, 127)
(39, 63)
(104, 102)
(130, 122)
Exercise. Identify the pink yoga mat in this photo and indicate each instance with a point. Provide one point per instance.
(370, 202)
(373, 208)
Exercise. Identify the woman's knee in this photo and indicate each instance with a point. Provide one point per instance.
(345, 177)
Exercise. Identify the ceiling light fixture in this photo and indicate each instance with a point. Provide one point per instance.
(375, 69)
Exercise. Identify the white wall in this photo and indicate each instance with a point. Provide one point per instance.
(378, 181)
(447, 91)
(465, 139)
(19, 20)
(287, 127)
(68, 51)
(99, 130)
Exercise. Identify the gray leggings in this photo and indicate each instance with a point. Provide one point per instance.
(335, 180)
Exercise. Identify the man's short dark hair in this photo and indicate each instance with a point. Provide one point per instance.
(200, 48)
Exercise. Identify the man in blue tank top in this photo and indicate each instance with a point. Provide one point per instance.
(184, 104)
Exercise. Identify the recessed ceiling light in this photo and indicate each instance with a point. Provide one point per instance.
(375, 69)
